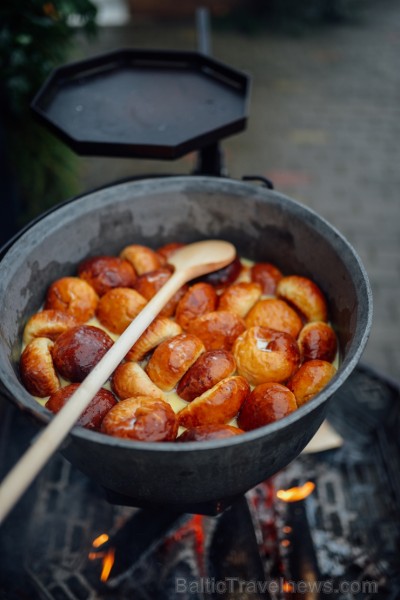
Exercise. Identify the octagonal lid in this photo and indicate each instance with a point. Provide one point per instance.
(143, 103)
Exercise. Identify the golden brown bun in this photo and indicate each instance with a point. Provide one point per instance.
(209, 368)
(93, 415)
(171, 359)
(48, 323)
(104, 273)
(239, 298)
(203, 433)
(129, 380)
(200, 298)
(78, 350)
(142, 418)
(218, 329)
(218, 405)
(36, 368)
(267, 275)
(142, 258)
(310, 379)
(74, 296)
(317, 340)
(275, 314)
(158, 331)
(267, 403)
(168, 250)
(148, 285)
(118, 307)
(263, 355)
(305, 296)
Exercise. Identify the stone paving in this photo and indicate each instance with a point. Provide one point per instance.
(324, 126)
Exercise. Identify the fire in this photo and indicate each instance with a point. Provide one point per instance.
(108, 556)
(295, 494)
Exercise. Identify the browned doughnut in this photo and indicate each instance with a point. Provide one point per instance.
(275, 314)
(267, 403)
(218, 329)
(317, 340)
(218, 405)
(141, 418)
(104, 273)
(223, 277)
(142, 258)
(158, 331)
(305, 296)
(240, 297)
(93, 415)
(36, 368)
(199, 299)
(203, 433)
(172, 358)
(267, 275)
(48, 323)
(118, 307)
(78, 350)
(148, 285)
(129, 380)
(209, 368)
(263, 355)
(74, 296)
(310, 379)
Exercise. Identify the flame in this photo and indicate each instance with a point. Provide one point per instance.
(108, 562)
(287, 587)
(296, 493)
(100, 540)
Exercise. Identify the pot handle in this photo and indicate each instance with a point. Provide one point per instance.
(264, 180)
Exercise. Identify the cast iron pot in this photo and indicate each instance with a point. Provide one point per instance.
(265, 226)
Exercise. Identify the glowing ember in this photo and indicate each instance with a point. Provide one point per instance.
(295, 494)
(108, 562)
(100, 540)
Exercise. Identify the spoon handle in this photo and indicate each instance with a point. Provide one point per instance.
(25, 471)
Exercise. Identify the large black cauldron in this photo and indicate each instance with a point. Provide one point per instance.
(263, 225)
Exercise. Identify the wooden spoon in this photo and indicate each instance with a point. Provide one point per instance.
(190, 261)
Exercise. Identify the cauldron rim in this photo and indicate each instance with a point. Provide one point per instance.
(25, 401)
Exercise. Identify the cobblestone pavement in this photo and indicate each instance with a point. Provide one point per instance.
(324, 126)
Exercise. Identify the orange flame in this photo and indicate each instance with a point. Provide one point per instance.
(100, 540)
(296, 493)
(108, 562)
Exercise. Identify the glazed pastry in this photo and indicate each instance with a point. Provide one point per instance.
(239, 298)
(267, 403)
(36, 368)
(158, 331)
(267, 275)
(275, 314)
(171, 359)
(263, 355)
(148, 285)
(218, 405)
(142, 418)
(93, 415)
(317, 340)
(118, 307)
(78, 350)
(142, 258)
(305, 296)
(218, 329)
(210, 368)
(129, 380)
(200, 298)
(74, 296)
(310, 379)
(104, 273)
(224, 277)
(203, 433)
(48, 323)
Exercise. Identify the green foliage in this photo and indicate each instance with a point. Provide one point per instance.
(35, 37)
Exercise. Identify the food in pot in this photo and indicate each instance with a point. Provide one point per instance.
(231, 352)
